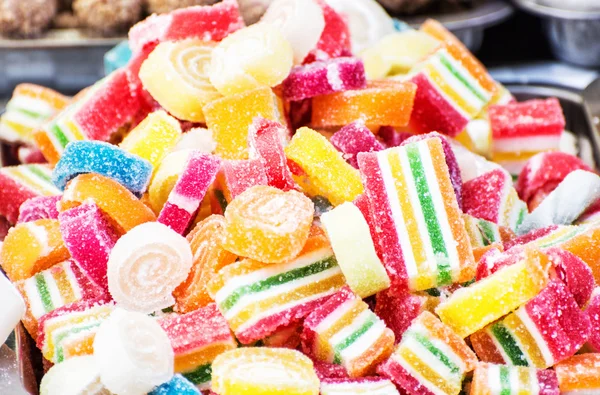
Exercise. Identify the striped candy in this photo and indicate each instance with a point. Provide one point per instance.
(345, 332)
(481, 233)
(511, 380)
(430, 359)
(258, 298)
(421, 231)
(367, 386)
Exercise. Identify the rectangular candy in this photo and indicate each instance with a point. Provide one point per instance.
(579, 374)
(353, 139)
(491, 379)
(359, 386)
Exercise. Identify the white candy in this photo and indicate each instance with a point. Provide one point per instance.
(12, 307)
(75, 376)
(146, 265)
(199, 139)
(133, 353)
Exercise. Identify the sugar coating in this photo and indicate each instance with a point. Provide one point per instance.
(178, 385)
(77, 375)
(353, 139)
(494, 379)
(41, 207)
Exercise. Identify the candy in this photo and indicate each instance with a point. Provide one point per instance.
(493, 198)
(335, 41)
(81, 157)
(236, 176)
(579, 374)
(230, 117)
(177, 386)
(320, 169)
(353, 139)
(133, 353)
(484, 235)
(165, 178)
(546, 330)
(146, 265)
(573, 272)
(379, 103)
(490, 379)
(41, 207)
(430, 359)
(184, 200)
(267, 224)
(32, 247)
(117, 57)
(593, 312)
(78, 375)
(124, 210)
(197, 339)
(180, 66)
(367, 385)
(259, 298)
(27, 110)
(345, 332)
(253, 57)
(351, 241)
(324, 77)
(535, 124)
(13, 307)
(264, 371)
(503, 291)
(423, 239)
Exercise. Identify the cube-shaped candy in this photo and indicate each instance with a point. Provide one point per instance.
(41, 207)
(490, 379)
(358, 386)
(353, 139)
(579, 374)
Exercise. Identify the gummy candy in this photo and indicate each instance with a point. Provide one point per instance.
(580, 373)
(490, 379)
(178, 385)
(41, 207)
(335, 41)
(13, 307)
(353, 139)
(236, 176)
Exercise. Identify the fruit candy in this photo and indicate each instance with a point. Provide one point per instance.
(573, 272)
(430, 359)
(78, 375)
(490, 379)
(345, 332)
(41, 207)
(484, 235)
(398, 310)
(423, 238)
(335, 41)
(253, 57)
(89, 238)
(165, 177)
(27, 110)
(579, 374)
(380, 103)
(81, 157)
(536, 125)
(503, 291)
(153, 138)
(230, 117)
(546, 330)
(19, 183)
(493, 198)
(265, 141)
(236, 176)
(593, 312)
(178, 385)
(320, 169)
(124, 210)
(264, 371)
(267, 224)
(209, 257)
(133, 353)
(323, 78)
(32, 247)
(353, 139)
(354, 250)
(359, 386)
(259, 298)
(197, 339)
(117, 57)
(13, 307)
(183, 202)
(208, 23)
(180, 66)
(146, 265)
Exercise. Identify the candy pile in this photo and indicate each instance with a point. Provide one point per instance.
(254, 210)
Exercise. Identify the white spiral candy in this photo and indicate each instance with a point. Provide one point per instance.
(133, 353)
(77, 375)
(145, 267)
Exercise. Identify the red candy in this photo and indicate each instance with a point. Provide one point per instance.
(235, 176)
(593, 313)
(574, 273)
(40, 207)
(335, 40)
(391, 137)
(354, 139)
(398, 311)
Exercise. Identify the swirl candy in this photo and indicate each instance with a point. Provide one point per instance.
(360, 386)
(146, 265)
(41, 207)
(78, 375)
(491, 379)
(13, 307)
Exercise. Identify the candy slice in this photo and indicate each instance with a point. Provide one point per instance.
(13, 307)
(77, 375)
(418, 221)
(259, 298)
(579, 374)
(490, 379)
(345, 332)
(324, 77)
(236, 176)
(264, 371)
(351, 241)
(380, 103)
(32, 247)
(41, 207)
(320, 169)
(593, 312)
(133, 353)
(178, 385)
(353, 139)
(267, 224)
(430, 359)
(117, 57)
(335, 41)
(27, 110)
(146, 265)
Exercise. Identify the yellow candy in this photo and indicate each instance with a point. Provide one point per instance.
(321, 168)
(257, 56)
(264, 371)
(165, 178)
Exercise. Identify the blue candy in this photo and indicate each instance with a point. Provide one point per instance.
(177, 386)
(117, 57)
(80, 157)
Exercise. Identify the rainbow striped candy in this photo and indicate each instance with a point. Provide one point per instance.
(481, 233)
(512, 380)
(360, 386)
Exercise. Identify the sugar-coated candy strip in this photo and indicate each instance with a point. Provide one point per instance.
(326, 370)
(359, 386)
(353, 139)
(178, 385)
(236, 176)
(335, 41)
(504, 291)
(250, 371)
(78, 375)
(267, 224)
(121, 206)
(32, 247)
(41, 207)
(13, 307)
(146, 265)
(259, 298)
(165, 177)
(490, 379)
(579, 374)
(124, 367)
(419, 225)
(345, 332)
(354, 250)
(430, 359)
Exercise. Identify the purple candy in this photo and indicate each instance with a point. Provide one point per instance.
(354, 139)
(41, 207)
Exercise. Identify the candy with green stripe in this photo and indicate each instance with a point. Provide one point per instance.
(491, 379)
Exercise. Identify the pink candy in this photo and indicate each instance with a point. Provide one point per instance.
(398, 311)
(335, 40)
(40, 207)
(354, 139)
(593, 313)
